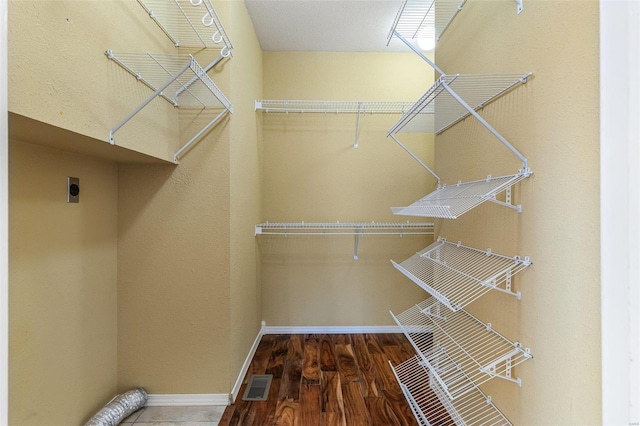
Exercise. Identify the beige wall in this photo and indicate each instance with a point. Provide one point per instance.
(245, 186)
(188, 299)
(62, 272)
(553, 120)
(312, 173)
(59, 74)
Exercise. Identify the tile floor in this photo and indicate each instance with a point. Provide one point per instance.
(175, 416)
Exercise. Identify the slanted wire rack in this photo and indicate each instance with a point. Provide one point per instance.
(450, 202)
(431, 407)
(477, 90)
(189, 23)
(457, 275)
(420, 19)
(459, 350)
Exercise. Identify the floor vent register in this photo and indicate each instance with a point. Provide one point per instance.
(258, 387)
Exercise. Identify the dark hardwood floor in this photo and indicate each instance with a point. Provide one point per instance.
(338, 379)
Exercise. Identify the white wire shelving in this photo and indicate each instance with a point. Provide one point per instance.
(450, 202)
(430, 406)
(459, 350)
(179, 80)
(428, 19)
(355, 229)
(457, 275)
(420, 19)
(477, 90)
(291, 106)
(189, 23)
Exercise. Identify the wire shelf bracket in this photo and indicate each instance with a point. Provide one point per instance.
(358, 108)
(179, 80)
(452, 201)
(457, 275)
(430, 406)
(357, 229)
(189, 23)
(459, 350)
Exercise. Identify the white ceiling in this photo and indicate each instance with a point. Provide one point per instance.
(325, 25)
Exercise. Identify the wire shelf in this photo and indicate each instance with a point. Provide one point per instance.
(459, 350)
(189, 23)
(477, 90)
(356, 229)
(334, 107)
(420, 19)
(457, 275)
(451, 202)
(345, 228)
(431, 407)
(179, 80)
(189, 85)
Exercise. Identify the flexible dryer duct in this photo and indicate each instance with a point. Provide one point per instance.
(119, 408)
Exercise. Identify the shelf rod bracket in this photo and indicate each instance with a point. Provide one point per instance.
(416, 158)
(419, 53)
(520, 6)
(355, 243)
(490, 369)
(492, 198)
(186, 146)
(355, 143)
(146, 102)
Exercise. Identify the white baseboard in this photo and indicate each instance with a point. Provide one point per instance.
(332, 329)
(187, 399)
(247, 362)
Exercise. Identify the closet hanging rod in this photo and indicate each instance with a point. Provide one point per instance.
(333, 107)
(344, 228)
(356, 229)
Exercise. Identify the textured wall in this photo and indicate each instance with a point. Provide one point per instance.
(188, 298)
(553, 120)
(59, 74)
(246, 185)
(62, 271)
(312, 173)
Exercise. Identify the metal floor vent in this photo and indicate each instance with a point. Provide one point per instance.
(258, 388)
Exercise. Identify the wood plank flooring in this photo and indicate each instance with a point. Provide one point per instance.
(338, 379)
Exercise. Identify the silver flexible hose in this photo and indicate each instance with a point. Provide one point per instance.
(119, 408)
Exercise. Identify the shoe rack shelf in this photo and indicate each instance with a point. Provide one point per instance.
(456, 351)
(431, 407)
(457, 275)
(459, 350)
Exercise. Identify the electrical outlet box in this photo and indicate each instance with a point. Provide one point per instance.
(73, 190)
